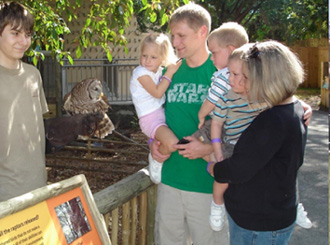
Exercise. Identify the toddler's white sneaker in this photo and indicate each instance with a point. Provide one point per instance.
(217, 216)
(155, 170)
(302, 219)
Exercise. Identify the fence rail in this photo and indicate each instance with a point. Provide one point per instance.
(114, 75)
(129, 208)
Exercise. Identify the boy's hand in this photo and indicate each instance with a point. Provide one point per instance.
(172, 68)
(201, 122)
(218, 153)
(307, 113)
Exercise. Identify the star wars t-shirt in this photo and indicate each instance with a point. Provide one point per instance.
(184, 97)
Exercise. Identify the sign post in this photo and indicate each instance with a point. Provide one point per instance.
(60, 213)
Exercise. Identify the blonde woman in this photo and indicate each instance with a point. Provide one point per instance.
(261, 199)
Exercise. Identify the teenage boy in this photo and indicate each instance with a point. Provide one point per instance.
(23, 102)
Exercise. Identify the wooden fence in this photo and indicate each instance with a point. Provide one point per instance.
(314, 54)
(129, 205)
(129, 208)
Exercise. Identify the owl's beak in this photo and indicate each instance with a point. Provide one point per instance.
(101, 95)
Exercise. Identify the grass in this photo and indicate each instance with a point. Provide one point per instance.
(311, 96)
(303, 92)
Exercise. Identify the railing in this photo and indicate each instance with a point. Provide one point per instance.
(58, 80)
(129, 207)
(115, 76)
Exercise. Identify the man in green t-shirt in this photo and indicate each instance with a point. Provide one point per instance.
(185, 191)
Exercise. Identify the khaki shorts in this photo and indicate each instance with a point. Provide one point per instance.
(204, 134)
(227, 150)
(182, 217)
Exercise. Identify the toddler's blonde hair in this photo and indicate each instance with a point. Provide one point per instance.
(230, 33)
(165, 49)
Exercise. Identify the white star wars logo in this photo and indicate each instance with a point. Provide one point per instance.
(187, 93)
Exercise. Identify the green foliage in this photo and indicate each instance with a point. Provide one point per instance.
(49, 28)
(283, 20)
(155, 16)
(104, 25)
(289, 20)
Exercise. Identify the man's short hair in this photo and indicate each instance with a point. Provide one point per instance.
(193, 14)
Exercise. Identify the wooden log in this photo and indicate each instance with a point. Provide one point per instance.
(113, 142)
(89, 154)
(143, 214)
(122, 191)
(114, 226)
(81, 168)
(80, 148)
(107, 220)
(50, 156)
(130, 140)
(126, 223)
(152, 202)
(134, 220)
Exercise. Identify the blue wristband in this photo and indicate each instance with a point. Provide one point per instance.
(216, 140)
(150, 140)
(207, 167)
(166, 78)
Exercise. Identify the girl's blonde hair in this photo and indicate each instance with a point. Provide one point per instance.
(238, 53)
(165, 49)
(274, 72)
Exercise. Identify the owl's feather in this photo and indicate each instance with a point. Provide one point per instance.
(87, 97)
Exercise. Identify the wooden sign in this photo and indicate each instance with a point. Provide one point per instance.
(60, 213)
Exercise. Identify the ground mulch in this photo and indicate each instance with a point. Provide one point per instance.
(101, 169)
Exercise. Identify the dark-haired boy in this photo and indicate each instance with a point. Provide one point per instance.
(23, 102)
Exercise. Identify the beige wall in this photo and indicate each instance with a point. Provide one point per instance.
(123, 73)
(132, 35)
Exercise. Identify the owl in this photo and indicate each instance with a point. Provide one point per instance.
(87, 97)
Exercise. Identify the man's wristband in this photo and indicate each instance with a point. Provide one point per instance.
(216, 140)
(150, 140)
